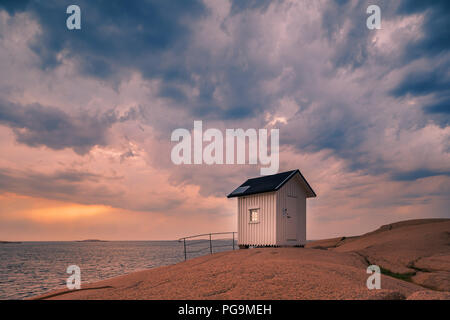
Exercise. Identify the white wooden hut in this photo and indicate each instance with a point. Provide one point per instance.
(272, 210)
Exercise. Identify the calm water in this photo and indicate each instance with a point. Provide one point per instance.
(32, 268)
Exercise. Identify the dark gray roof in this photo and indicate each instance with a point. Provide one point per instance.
(269, 183)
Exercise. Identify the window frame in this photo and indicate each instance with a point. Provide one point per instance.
(250, 210)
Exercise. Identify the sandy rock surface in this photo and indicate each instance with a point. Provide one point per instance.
(433, 263)
(266, 273)
(429, 295)
(398, 248)
(438, 280)
(339, 272)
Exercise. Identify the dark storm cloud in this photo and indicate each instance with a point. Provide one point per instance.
(434, 83)
(351, 50)
(436, 27)
(424, 82)
(141, 34)
(352, 47)
(239, 6)
(13, 6)
(154, 38)
(439, 111)
(37, 125)
(418, 174)
(340, 129)
(442, 106)
(68, 184)
(80, 187)
(61, 182)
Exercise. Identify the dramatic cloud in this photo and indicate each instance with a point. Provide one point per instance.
(37, 125)
(139, 35)
(86, 115)
(435, 38)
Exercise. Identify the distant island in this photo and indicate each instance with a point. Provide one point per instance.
(91, 240)
(4, 242)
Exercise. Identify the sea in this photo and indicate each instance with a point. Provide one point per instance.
(30, 268)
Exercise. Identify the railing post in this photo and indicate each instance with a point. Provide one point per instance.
(233, 240)
(210, 243)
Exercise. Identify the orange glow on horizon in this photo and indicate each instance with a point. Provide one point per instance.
(50, 211)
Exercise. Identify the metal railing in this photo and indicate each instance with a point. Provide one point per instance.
(210, 240)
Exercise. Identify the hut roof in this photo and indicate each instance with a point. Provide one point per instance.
(270, 183)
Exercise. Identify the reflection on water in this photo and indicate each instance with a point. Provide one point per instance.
(31, 268)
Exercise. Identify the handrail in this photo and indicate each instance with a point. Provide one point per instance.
(205, 234)
(210, 241)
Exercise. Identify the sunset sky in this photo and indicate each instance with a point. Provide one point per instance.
(86, 115)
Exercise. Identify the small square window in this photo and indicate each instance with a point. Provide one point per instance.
(254, 215)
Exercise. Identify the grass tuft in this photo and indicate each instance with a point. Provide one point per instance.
(402, 276)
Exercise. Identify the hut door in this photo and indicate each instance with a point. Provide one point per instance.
(291, 219)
